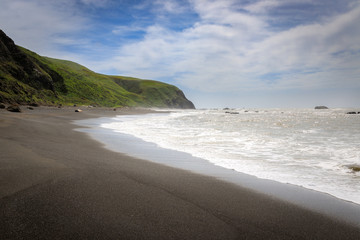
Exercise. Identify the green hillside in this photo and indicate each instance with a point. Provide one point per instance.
(26, 78)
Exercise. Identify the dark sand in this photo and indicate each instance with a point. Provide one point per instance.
(57, 183)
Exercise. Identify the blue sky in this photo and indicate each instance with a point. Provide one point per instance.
(223, 53)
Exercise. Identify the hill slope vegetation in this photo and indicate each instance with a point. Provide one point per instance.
(27, 78)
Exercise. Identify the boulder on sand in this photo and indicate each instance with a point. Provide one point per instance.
(13, 108)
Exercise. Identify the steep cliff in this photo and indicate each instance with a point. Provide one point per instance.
(26, 77)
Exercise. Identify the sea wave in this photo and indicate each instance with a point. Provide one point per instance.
(309, 148)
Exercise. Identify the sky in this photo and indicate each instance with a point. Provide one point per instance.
(221, 53)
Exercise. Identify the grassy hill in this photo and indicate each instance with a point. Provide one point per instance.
(26, 78)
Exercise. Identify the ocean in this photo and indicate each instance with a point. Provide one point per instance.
(315, 149)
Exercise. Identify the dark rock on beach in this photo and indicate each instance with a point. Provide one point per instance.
(2, 106)
(34, 105)
(14, 108)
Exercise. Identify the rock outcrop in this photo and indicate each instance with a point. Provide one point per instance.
(321, 107)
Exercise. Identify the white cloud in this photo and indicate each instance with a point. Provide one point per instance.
(262, 6)
(169, 6)
(312, 48)
(39, 24)
(225, 12)
(229, 50)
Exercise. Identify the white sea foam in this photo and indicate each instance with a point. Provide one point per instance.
(310, 148)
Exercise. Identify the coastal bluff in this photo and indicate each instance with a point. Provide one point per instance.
(27, 78)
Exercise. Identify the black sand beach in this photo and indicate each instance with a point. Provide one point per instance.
(57, 183)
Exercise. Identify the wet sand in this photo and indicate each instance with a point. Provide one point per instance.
(57, 183)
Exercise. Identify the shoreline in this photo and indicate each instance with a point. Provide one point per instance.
(313, 200)
(57, 183)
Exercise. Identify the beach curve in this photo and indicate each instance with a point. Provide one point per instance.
(57, 183)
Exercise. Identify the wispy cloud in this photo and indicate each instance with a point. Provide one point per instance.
(262, 6)
(41, 25)
(239, 50)
(169, 6)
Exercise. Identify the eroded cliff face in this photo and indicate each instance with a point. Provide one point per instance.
(26, 77)
(158, 96)
(22, 67)
(180, 101)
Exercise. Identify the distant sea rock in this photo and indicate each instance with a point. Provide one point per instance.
(321, 107)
